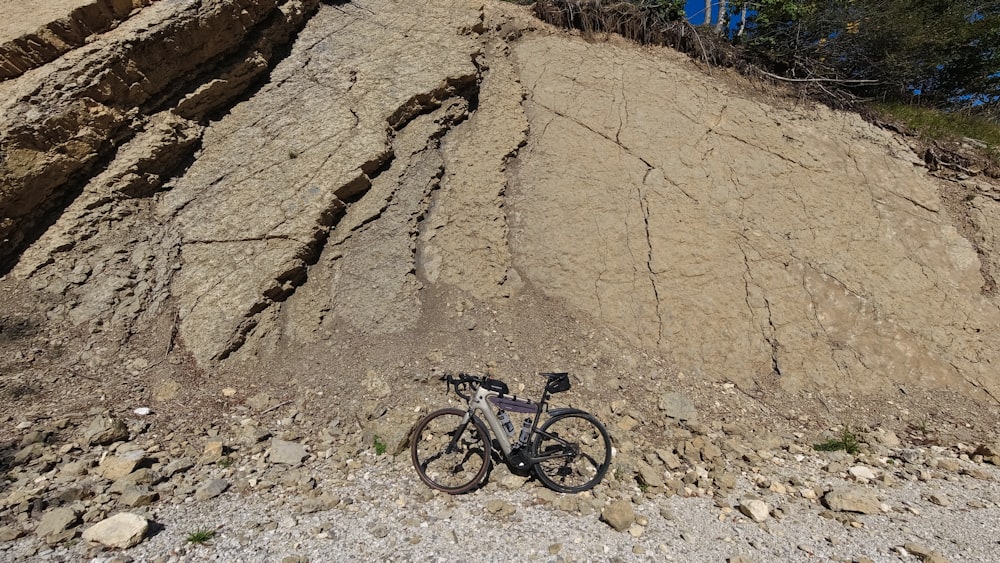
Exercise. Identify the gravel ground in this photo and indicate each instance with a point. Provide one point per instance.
(382, 512)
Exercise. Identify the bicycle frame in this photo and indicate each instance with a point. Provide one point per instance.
(480, 402)
(570, 451)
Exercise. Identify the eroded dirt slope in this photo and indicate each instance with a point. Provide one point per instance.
(328, 214)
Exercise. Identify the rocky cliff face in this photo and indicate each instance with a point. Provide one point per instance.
(63, 123)
(745, 240)
(291, 193)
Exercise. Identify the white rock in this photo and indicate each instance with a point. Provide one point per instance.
(121, 531)
(862, 472)
(756, 510)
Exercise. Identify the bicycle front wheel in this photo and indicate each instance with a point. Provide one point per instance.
(450, 455)
(575, 452)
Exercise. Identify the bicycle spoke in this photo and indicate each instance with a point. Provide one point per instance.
(451, 448)
(575, 451)
(591, 459)
(450, 455)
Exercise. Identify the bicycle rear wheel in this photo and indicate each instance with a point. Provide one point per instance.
(450, 455)
(576, 452)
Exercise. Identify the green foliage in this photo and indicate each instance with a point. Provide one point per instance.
(379, 445)
(667, 10)
(619, 473)
(942, 125)
(771, 16)
(200, 536)
(847, 442)
(942, 51)
(929, 47)
(931, 123)
(776, 29)
(936, 53)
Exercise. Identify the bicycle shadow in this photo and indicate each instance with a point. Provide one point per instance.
(497, 460)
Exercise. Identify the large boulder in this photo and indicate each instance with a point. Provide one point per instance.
(121, 531)
(853, 499)
(619, 514)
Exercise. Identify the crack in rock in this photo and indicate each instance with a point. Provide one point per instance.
(63, 126)
(336, 188)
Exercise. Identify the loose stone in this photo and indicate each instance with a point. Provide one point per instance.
(619, 515)
(120, 531)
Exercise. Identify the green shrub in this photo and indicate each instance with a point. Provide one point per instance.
(847, 442)
(200, 536)
(944, 126)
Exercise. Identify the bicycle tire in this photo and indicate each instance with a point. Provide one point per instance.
(578, 449)
(457, 471)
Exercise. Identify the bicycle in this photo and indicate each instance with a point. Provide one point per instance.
(452, 451)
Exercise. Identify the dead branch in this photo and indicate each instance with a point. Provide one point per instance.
(816, 80)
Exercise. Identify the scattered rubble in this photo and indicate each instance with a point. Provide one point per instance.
(96, 490)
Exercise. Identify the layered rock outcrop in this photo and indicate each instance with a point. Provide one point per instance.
(38, 33)
(336, 125)
(61, 125)
(244, 208)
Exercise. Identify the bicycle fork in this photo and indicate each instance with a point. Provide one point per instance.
(452, 445)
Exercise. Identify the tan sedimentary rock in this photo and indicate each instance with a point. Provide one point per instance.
(403, 150)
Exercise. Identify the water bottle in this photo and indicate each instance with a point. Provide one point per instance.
(506, 422)
(525, 430)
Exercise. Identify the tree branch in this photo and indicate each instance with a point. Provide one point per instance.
(832, 80)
